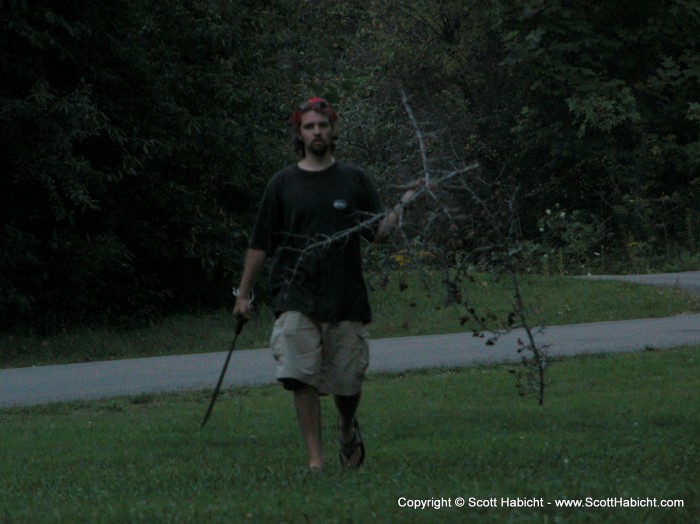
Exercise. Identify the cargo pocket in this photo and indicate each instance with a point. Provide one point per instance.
(362, 351)
(275, 344)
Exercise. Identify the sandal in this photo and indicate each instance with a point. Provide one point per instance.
(349, 449)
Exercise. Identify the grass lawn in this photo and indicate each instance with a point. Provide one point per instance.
(613, 427)
(417, 310)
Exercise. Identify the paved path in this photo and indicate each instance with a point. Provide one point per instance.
(95, 380)
(689, 280)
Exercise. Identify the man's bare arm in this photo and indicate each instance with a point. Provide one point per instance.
(253, 264)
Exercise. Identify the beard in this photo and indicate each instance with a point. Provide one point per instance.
(318, 147)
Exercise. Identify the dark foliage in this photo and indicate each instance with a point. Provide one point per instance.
(137, 135)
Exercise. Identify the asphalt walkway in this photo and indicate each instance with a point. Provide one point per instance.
(98, 380)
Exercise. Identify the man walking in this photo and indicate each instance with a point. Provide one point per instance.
(311, 220)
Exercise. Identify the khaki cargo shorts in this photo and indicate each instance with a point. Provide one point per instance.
(332, 357)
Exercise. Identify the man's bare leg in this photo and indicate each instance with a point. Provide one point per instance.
(347, 407)
(308, 406)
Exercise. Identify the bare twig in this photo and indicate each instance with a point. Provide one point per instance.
(419, 136)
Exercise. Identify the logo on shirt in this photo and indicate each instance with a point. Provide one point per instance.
(340, 204)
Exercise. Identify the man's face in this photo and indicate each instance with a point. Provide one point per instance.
(316, 133)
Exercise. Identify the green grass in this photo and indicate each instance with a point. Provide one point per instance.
(421, 310)
(612, 426)
(418, 310)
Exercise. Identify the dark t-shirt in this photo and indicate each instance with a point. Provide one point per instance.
(317, 269)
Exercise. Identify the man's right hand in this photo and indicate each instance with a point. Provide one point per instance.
(254, 261)
(243, 307)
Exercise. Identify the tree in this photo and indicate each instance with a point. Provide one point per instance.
(589, 107)
(131, 135)
(608, 128)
